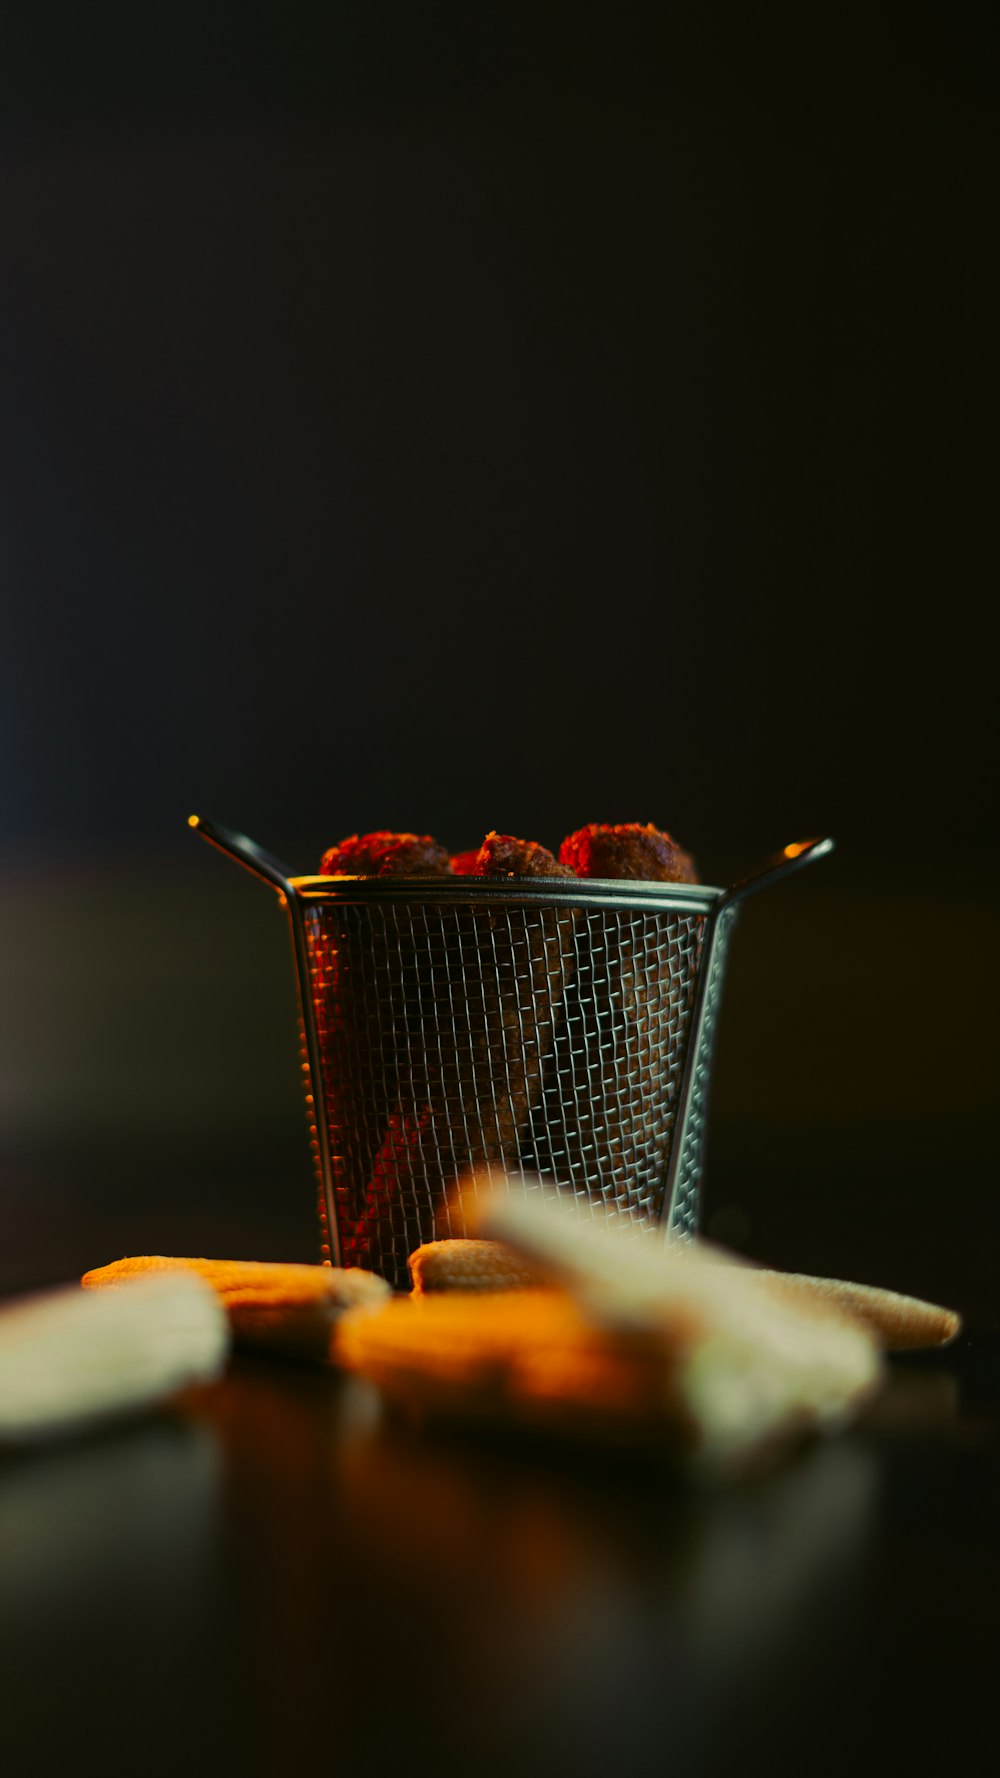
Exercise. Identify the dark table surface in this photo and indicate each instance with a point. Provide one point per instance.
(269, 1572)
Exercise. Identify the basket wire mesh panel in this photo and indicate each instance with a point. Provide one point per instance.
(549, 1040)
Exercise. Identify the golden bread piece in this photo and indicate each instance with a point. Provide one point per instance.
(899, 1323)
(569, 1241)
(289, 1309)
(69, 1361)
(696, 1355)
(469, 1265)
(724, 1385)
(528, 1357)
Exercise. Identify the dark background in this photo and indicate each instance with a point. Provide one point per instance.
(457, 417)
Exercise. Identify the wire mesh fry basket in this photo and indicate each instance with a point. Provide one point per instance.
(518, 1026)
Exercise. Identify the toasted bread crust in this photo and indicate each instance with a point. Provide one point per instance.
(468, 1265)
(289, 1309)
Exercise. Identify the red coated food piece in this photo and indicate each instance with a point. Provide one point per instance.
(501, 855)
(630, 850)
(386, 855)
(463, 864)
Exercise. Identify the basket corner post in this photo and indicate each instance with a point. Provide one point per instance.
(310, 1059)
(682, 1198)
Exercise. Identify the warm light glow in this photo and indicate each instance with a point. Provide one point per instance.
(194, 820)
(796, 849)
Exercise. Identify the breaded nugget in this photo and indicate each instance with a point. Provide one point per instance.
(463, 864)
(501, 855)
(386, 855)
(629, 850)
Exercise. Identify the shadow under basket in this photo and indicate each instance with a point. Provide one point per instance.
(516, 1026)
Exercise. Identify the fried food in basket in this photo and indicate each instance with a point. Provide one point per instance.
(386, 855)
(501, 855)
(463, 864)
(628, 850)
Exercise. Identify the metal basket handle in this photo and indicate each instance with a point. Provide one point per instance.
(245, 851)
(791, 858)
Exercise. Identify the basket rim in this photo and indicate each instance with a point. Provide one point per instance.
(692, 898)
